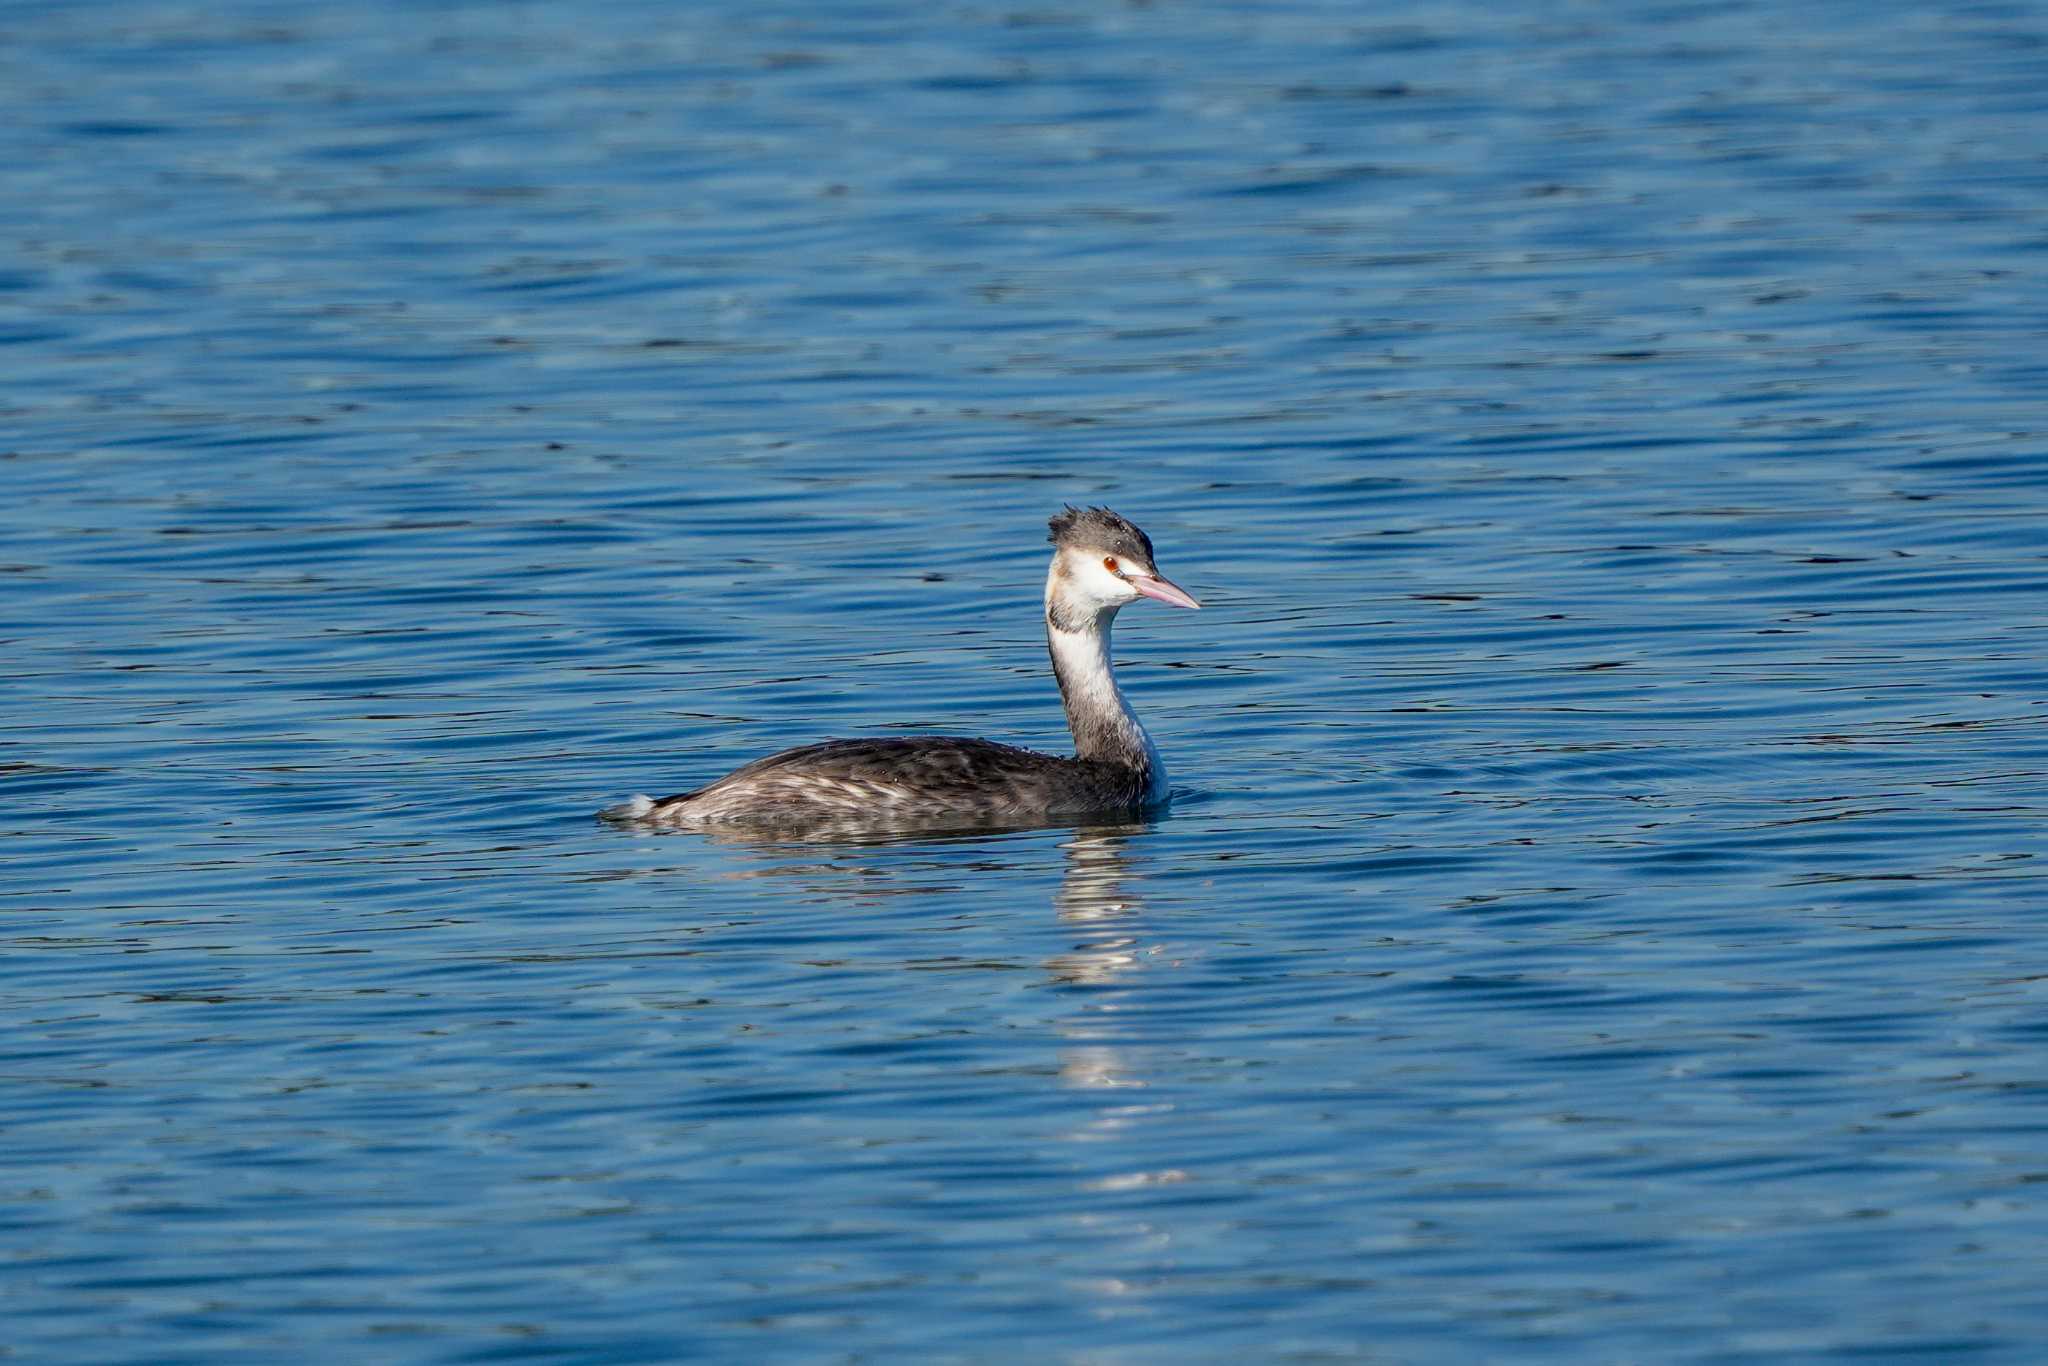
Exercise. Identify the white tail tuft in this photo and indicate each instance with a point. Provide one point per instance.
(638, 807)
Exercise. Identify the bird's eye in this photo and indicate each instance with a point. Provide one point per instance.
(1110, 564)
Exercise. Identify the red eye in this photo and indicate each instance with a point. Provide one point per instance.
(1110, 564)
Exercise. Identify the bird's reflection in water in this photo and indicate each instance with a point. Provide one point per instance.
(1127, 1131)
(1092, 897)
(1125, 1135)
(1095, 902)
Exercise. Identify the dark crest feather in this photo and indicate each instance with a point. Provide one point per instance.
(1098, 528)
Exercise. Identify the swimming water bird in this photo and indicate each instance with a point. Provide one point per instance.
(1100, 564)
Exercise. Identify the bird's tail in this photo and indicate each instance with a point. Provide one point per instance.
(638, 807)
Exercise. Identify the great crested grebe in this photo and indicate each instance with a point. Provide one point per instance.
(1100, 563)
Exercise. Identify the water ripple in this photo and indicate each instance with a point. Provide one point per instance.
(1594, 920)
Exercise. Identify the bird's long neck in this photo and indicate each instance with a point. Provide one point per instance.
(1105, 729)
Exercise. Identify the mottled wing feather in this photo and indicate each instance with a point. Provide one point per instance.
(905, 779)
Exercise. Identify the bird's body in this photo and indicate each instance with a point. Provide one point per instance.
(1101, 563)
(901, 780)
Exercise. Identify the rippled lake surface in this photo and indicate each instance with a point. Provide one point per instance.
(1602, 913)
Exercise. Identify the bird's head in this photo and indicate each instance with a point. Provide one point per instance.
(1101, 562)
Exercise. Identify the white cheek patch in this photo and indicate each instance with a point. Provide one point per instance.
(1104, 585)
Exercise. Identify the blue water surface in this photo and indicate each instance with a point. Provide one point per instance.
(1602, 914)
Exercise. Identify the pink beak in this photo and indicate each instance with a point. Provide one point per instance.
(1159, 590)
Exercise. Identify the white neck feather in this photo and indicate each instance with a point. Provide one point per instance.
(1103, 723)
